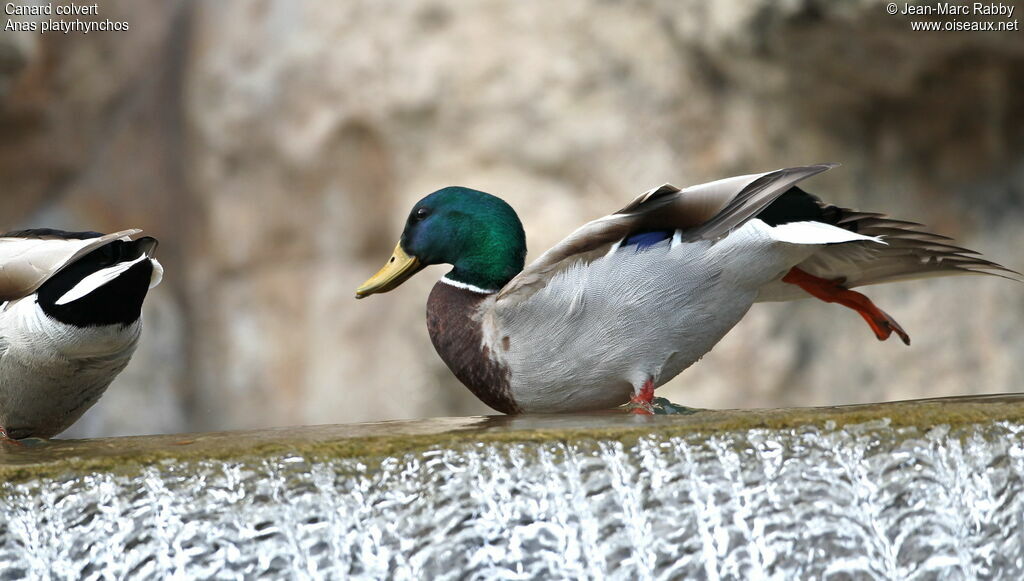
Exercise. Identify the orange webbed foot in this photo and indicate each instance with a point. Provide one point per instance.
(832, 291)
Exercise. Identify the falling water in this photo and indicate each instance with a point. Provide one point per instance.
(867, 501)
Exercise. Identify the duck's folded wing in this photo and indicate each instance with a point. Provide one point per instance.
(29, 258)
(702, 212)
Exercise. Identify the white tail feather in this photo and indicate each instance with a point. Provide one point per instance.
(817, 233)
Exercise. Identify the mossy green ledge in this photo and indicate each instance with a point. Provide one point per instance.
(128, 455)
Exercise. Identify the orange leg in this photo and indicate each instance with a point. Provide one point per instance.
(642, 403)
(832, 292)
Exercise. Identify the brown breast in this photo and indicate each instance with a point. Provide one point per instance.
(455, 331)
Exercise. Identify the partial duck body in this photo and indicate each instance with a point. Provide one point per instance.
(69, 322)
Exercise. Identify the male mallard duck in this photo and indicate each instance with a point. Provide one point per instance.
(69, 321)
(628, 301)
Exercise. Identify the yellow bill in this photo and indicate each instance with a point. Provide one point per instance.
(394, 272)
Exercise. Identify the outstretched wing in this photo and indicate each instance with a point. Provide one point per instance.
(702, 212)
(28, 258)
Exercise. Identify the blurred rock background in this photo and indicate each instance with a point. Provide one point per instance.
(275, 147)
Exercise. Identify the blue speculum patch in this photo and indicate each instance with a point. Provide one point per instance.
(643, 240)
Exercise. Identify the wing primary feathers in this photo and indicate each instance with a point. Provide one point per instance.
(754, 198)
(28, 258)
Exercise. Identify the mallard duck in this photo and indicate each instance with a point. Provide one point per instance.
(69, 321)
(628, 301)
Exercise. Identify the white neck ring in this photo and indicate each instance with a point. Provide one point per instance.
(467, 286)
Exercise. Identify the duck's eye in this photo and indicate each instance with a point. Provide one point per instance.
(420, 214)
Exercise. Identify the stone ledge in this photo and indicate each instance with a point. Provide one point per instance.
(129, 455)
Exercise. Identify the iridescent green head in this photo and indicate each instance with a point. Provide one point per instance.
(477, 233)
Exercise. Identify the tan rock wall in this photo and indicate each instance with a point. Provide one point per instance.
(275, 148)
